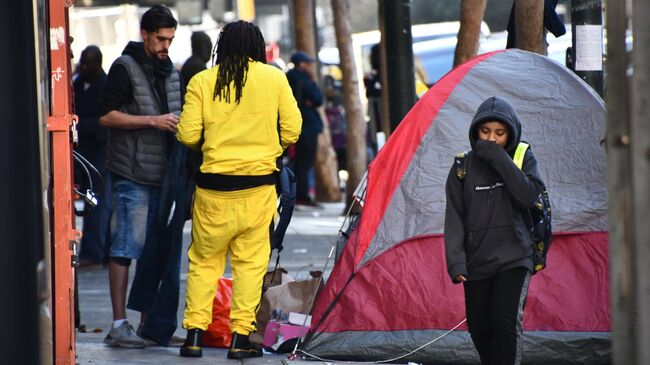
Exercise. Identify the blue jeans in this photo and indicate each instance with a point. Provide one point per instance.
(156, 286)
(134, 207)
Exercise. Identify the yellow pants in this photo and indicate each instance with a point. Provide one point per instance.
(235, 222)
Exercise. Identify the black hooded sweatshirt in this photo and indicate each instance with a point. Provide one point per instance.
(485, 230)
(201, 52)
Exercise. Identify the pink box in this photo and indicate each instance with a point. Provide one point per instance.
(277, 333)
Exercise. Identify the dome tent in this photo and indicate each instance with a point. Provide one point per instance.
(389, 292)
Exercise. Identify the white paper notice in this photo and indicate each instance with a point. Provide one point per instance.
(589, 48)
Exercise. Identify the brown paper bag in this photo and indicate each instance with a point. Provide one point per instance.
(288, 296)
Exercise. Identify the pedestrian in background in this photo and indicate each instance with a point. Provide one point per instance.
(201, 52)
(309, 98)
(140, 106)
(487, 242)
(241, 114)
(88, 86)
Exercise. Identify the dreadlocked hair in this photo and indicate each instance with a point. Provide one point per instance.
(238, 42)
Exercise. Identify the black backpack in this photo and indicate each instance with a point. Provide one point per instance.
(538, 219)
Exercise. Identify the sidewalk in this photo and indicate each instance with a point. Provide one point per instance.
(309, 239)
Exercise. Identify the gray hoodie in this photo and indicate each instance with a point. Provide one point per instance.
(485, 231)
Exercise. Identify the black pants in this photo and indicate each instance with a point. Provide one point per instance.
(495, 310)
(304, 160)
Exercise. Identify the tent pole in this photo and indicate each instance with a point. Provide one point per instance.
(310, 334)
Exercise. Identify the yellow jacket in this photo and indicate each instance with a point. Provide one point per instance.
(240, 139)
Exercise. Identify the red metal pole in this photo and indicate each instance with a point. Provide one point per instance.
(60, 123)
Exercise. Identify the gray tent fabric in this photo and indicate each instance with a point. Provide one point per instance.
(540, 348)
(562, 118)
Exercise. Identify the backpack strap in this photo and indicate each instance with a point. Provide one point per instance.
(286, 188)
(520, 152)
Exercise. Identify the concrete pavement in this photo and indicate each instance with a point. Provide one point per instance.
(309, 239)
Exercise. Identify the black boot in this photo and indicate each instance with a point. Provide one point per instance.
(193, 343)
(242, 348)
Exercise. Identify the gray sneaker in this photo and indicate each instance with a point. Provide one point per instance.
(124, 336)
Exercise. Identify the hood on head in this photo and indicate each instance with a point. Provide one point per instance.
(201, 45)
(496, 108)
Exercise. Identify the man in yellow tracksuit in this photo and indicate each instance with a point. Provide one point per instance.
(241, 114)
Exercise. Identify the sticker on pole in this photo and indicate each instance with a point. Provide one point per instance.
(589, 48)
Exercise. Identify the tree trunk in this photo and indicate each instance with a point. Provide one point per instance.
(640, 129)
(529, 26)
(622, 264)
(356, 133)
(471, 16)
(325, 165)
(304, 24)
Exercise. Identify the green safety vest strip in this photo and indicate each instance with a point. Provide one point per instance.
(520, 152)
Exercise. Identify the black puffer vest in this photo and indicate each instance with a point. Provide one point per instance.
(140, 155)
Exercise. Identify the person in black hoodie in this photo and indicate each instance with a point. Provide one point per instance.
(201, 52)
(487, 242)
(140, 105)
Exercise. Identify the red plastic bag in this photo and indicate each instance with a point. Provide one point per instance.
(218, 332)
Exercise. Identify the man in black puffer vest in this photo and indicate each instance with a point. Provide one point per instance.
(140, 106)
